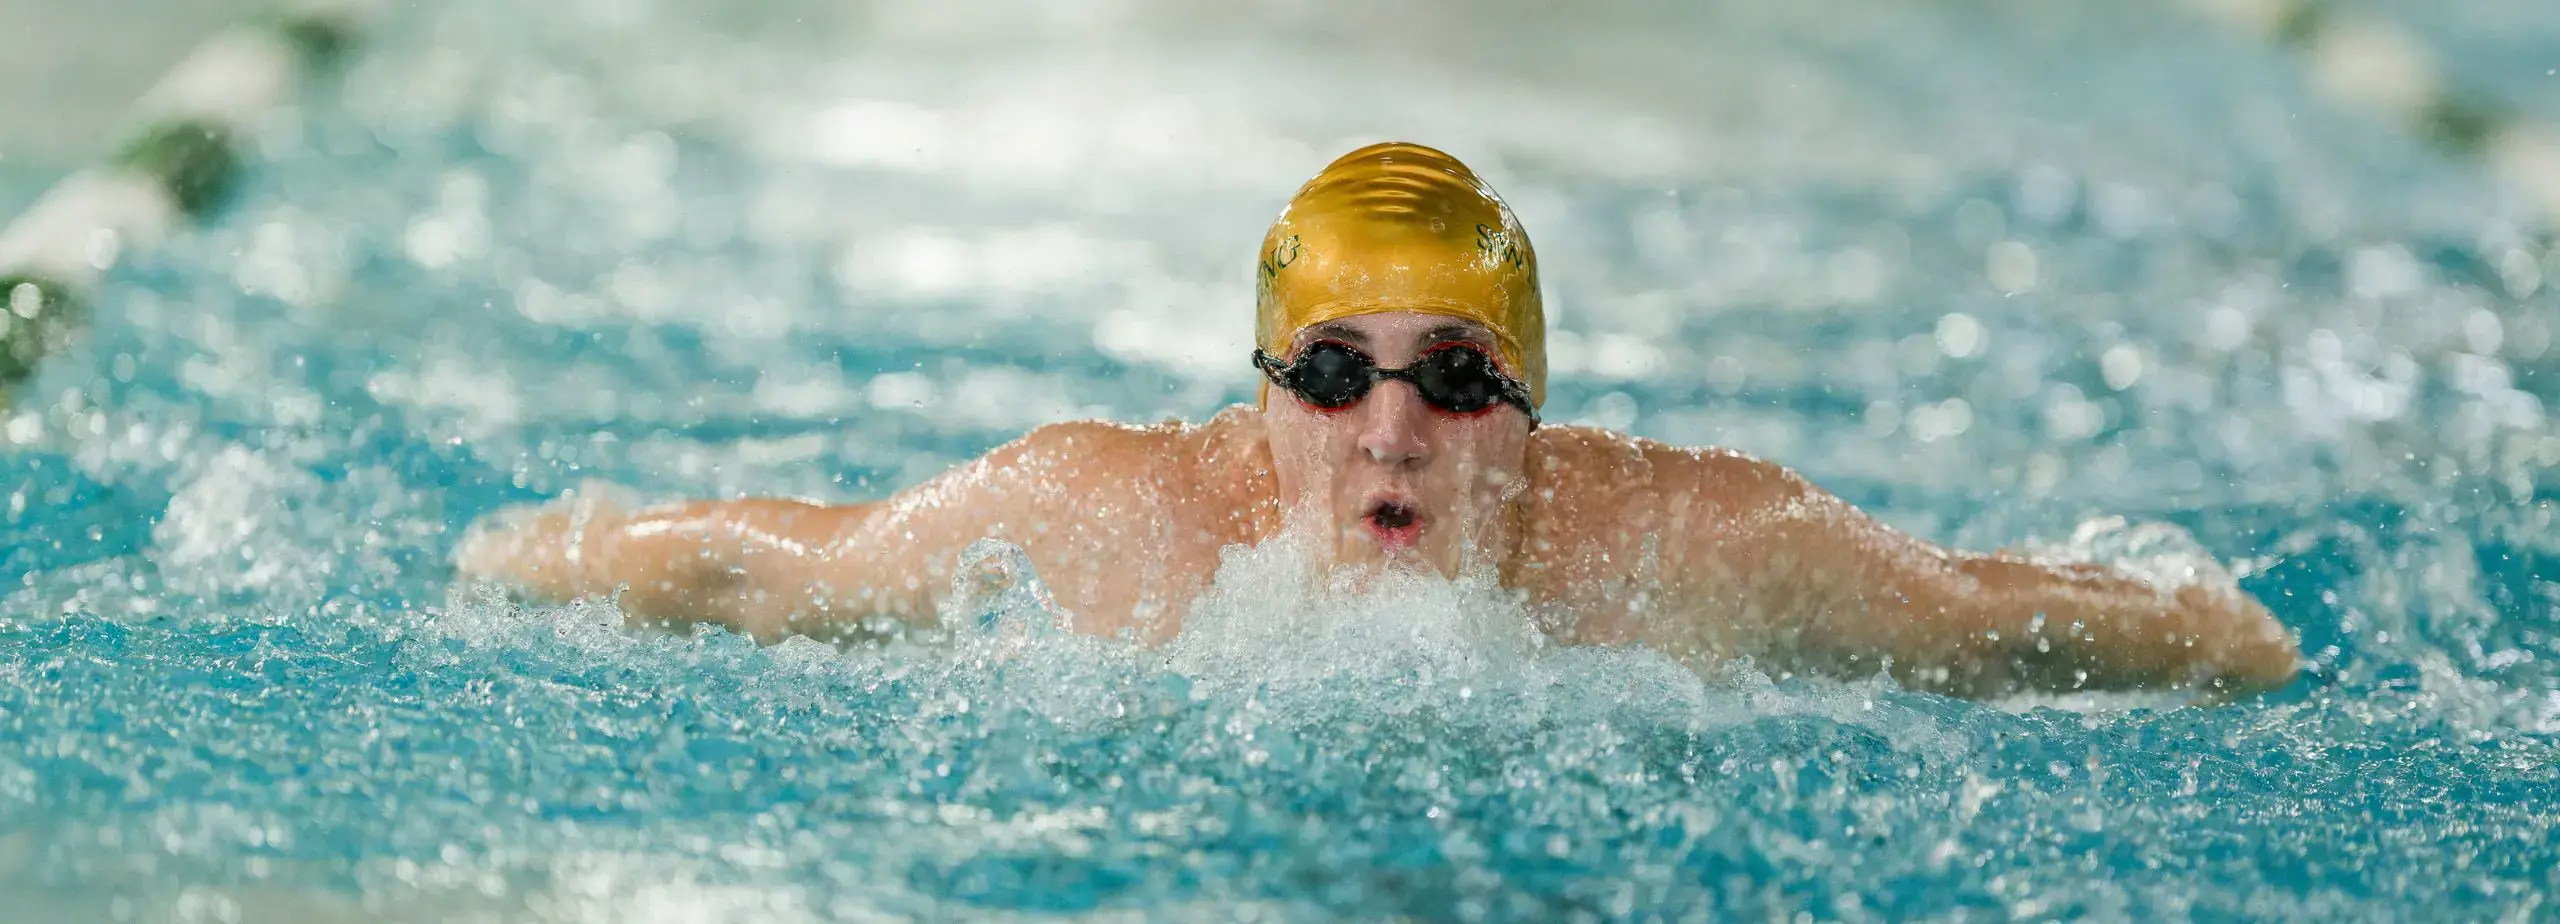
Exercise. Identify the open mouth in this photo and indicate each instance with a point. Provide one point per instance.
(1395, 524)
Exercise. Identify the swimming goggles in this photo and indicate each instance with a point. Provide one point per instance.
(1456, 378)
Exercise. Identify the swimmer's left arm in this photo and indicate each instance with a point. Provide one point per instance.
(1837, 591)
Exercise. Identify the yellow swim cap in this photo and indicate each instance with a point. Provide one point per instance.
(1402, 227)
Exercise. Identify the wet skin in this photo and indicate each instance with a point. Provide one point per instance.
(1705, 554)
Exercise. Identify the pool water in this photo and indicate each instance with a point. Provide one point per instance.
(2098, 279)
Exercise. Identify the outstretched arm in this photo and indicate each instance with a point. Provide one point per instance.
(764, 567)
(773, 568)
(1832, 589)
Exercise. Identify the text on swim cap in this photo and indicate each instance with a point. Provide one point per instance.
(1282, 254)
(1496, 245)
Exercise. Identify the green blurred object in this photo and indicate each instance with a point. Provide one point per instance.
(192, 159)
(320, 36)
(2462, 126)
(36, 315)
(187, 151)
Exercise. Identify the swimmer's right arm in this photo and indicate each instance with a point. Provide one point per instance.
(762, 567)
(775, 568)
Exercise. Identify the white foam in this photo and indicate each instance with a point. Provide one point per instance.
(229, 529)
(1281, 640)
(1276, 626)
(2159, 554)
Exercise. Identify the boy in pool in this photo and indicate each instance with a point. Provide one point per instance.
(1401, 335)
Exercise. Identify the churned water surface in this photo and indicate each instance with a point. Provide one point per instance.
(2096, 279)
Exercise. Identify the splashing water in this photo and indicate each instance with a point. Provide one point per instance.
(2090, 283)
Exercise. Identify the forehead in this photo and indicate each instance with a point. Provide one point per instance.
(1389, 327)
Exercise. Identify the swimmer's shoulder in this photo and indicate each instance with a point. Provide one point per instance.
(1225, 461)
(1234, 437)
(1087, 454)
(1592, 468)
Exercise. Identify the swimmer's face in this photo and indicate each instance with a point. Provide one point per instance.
(1391, 478)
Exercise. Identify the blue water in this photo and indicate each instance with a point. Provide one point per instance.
(2100, 280)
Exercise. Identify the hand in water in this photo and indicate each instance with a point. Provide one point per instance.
(2252, 652)
(548, 549)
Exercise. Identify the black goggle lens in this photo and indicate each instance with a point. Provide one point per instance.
(1457, 379)
(1330, 375)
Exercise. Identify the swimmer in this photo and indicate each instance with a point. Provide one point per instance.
(1401, 342)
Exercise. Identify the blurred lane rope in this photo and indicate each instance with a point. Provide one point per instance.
(176, 163)
(2372, 64)
(182, 151)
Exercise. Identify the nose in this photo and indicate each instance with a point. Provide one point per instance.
(1392, 432)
